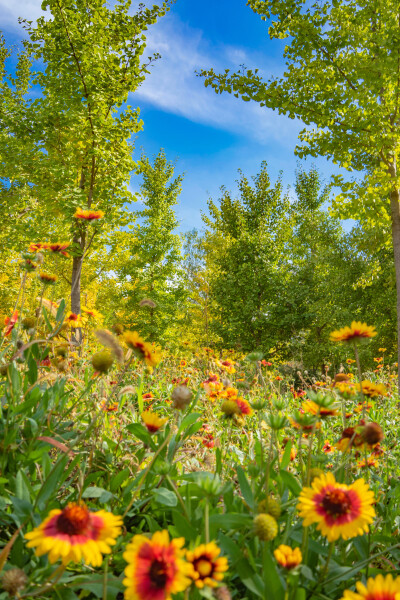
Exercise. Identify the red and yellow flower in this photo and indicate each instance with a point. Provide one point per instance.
(152, 421)
(47, 278)
(9, 323)
(73, 319)
(338, 510)
(156, 568)
(371, 389)
(208, 566)
(380, 588)
(143, 350)
(355, 332)
(321, 411)
(288, 557)
(148, 397)
(57, 247)
(75, 533)
(88, 215)
(92, 313)
(227, 365)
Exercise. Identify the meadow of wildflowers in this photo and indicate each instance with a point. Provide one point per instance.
(131, 472)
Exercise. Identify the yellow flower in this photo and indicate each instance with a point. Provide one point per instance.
(208, 566)
(155, 568)
(311, 407)
(287, 557)
(380, 588)
(73, 319)
(371, 389)
(143, 350)
(152, 421)
(227, 365)
(92, 313)
(339, 510)
(75, 533)
(47, 278)
(88, 215)
(356, 331)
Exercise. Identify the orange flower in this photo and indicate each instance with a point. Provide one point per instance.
(288, 557)
(9, 323)
(88, 215)
(57, 247)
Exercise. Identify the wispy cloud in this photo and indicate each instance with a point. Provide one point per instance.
(174, 87)
(10, 12)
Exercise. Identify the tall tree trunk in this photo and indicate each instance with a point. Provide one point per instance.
(395, 210)
(77, 263)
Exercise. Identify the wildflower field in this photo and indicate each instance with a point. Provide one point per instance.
(199, 396)
(131, 472)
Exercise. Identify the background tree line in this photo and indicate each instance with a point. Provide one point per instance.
(269, 269)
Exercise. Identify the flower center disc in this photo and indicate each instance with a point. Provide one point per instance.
(336, 502)
(158, 574)
(73, 520)
(204, 567)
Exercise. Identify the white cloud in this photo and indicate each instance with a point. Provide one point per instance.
(174, 87)
(10, 12)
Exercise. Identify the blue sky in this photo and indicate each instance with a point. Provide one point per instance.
(209, 135)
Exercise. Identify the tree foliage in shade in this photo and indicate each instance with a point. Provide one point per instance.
(342, 78)
(66, 128)
(151, 270)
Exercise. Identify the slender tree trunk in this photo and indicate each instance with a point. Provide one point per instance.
(76, 282)
(395, 210)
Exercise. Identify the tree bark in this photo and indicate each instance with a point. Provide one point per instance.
(395, 211)
(76, 282)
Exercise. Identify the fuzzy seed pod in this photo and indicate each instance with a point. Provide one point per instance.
(118, 329)
(181, 397)
(102, 361)
(13, 581)
(28, 323)
(341, 377)
(222, 593)
(270, 506)
(230, 408)
(62, 366)
(61, 350)
(265, 527)
(372, 433)
(3, 370)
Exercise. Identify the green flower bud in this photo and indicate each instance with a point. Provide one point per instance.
(102, 361)
(265, 527)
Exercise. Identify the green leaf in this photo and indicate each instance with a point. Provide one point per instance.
(231, 520)
(245, 487)
(165, 496)
(271, 577)
(118, 479)
(291, 482)
(97, 492)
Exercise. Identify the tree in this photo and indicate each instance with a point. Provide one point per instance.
(198, 275)
(71, 146)
(246, 241)
(342, 66)
(153, 289)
